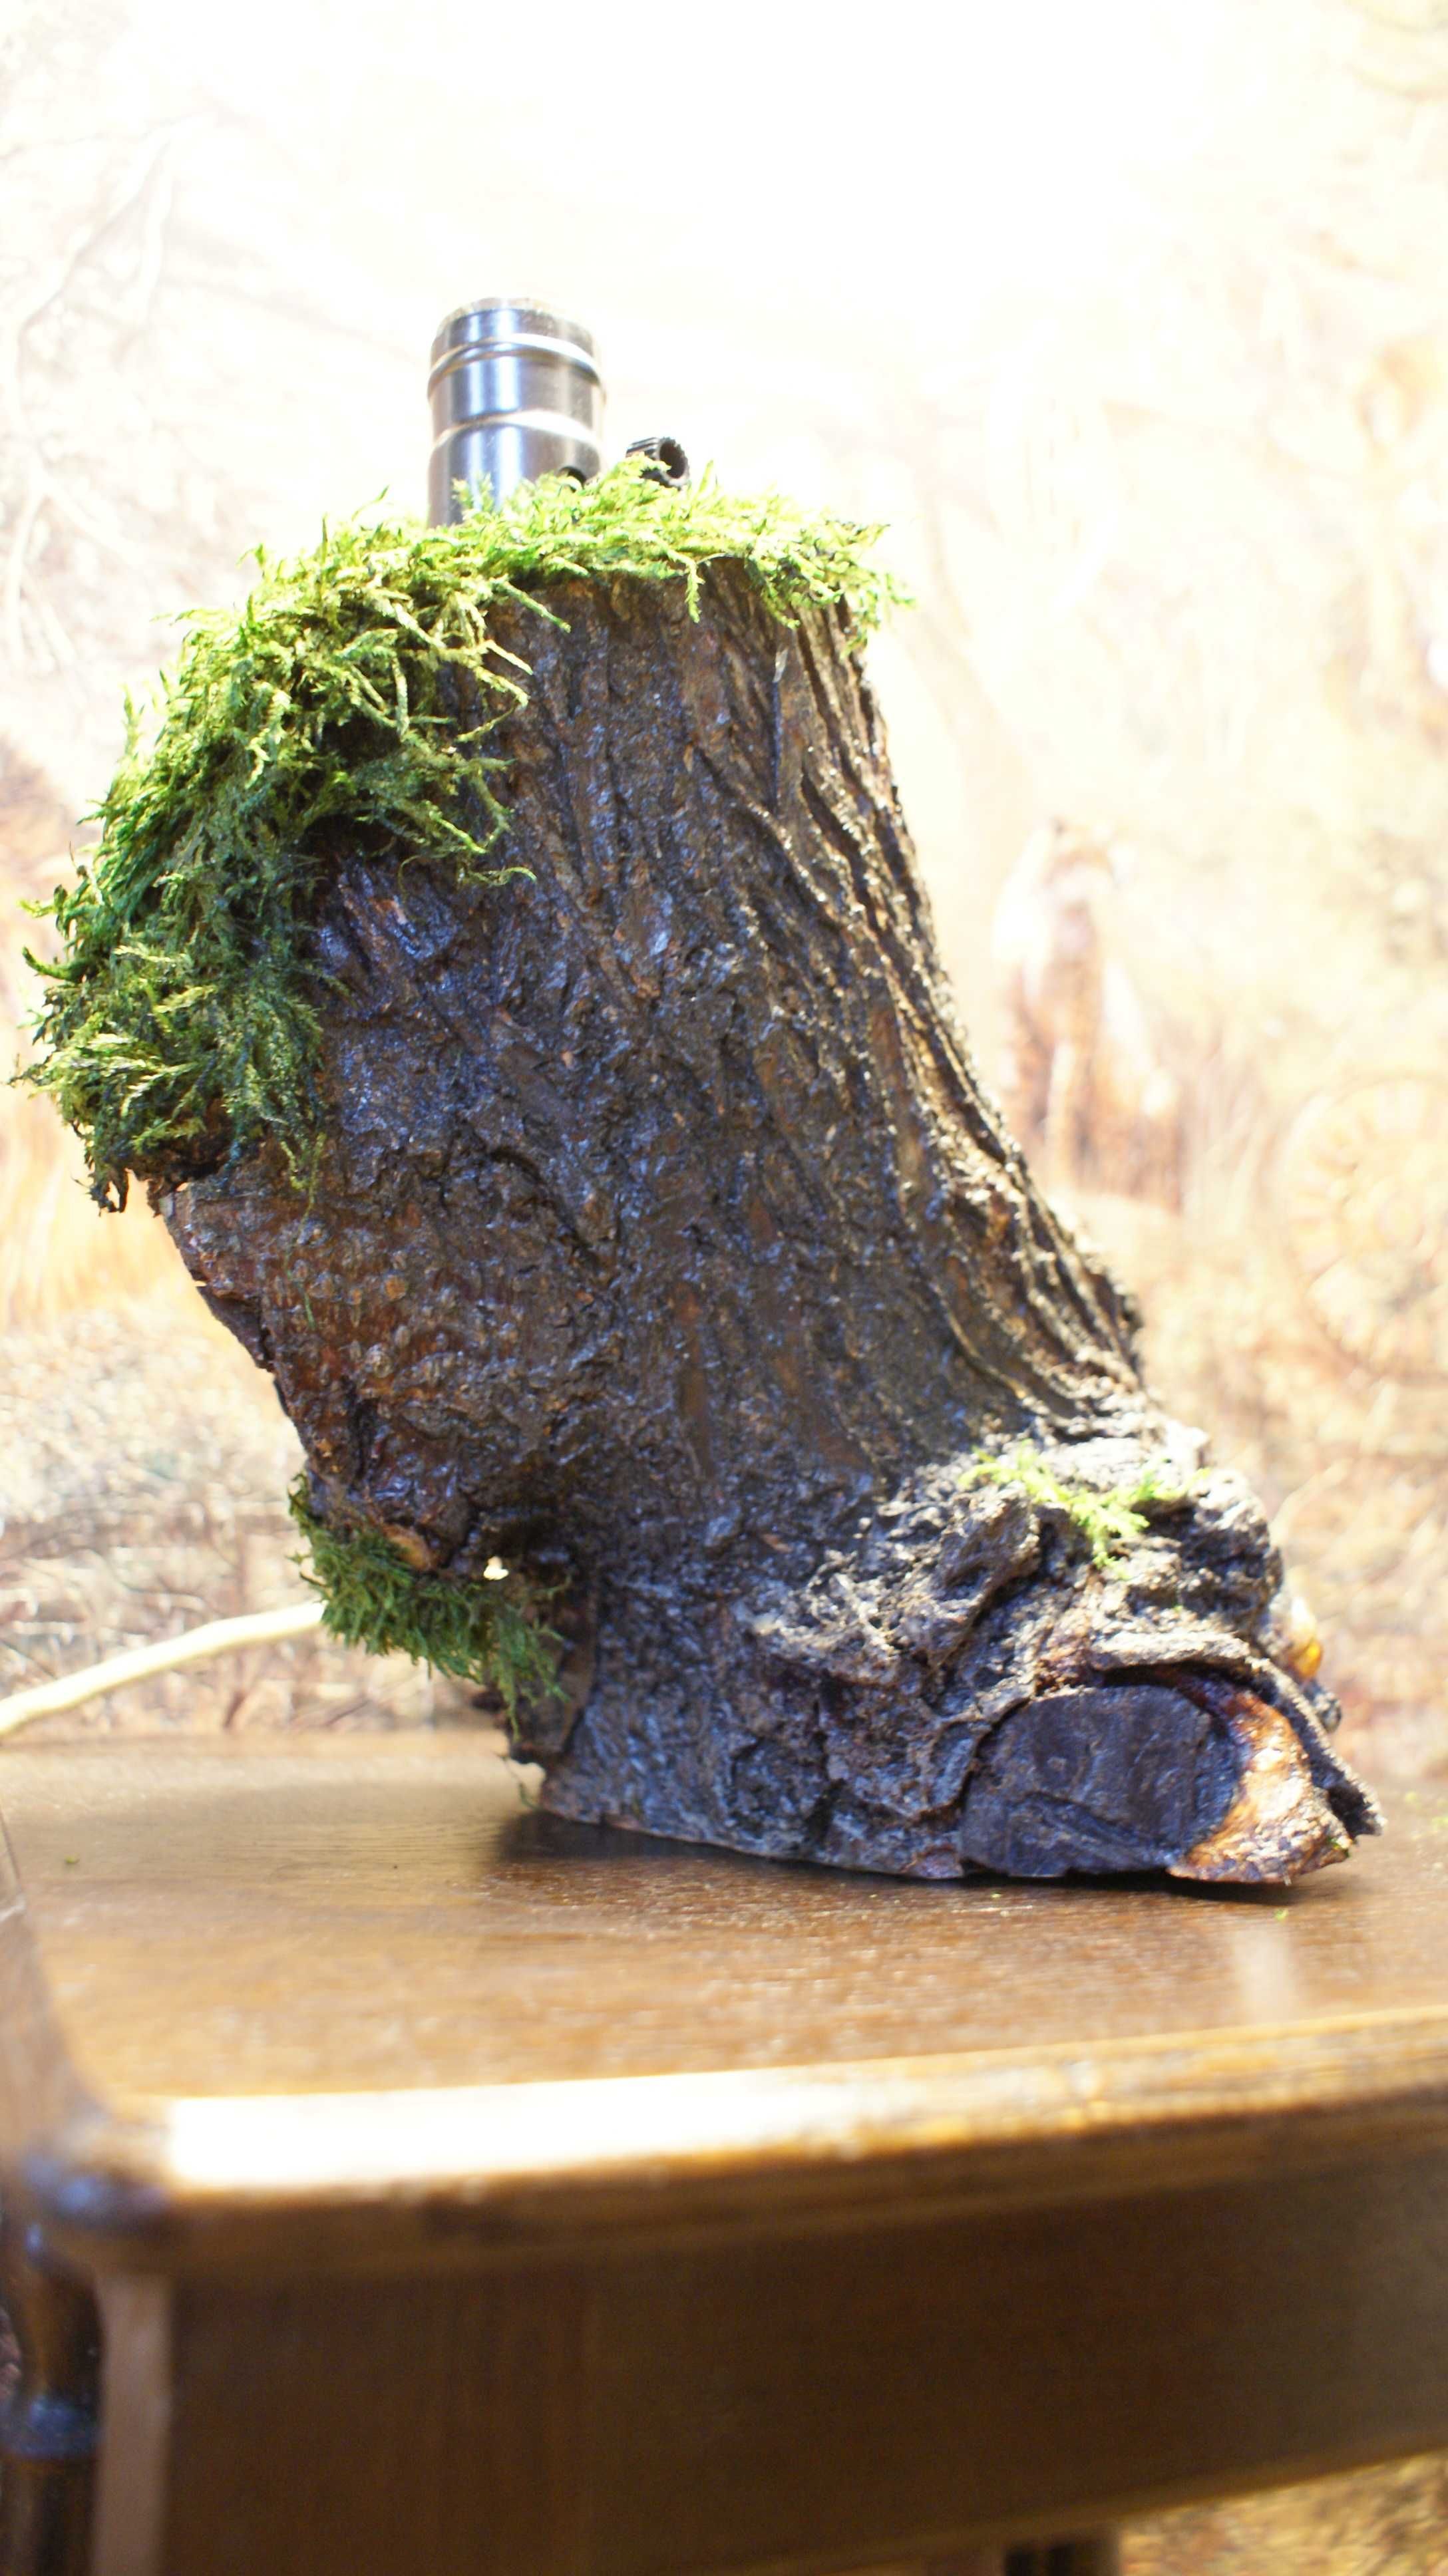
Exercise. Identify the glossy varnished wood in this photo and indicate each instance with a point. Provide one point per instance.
(230, 1947)
(472, 2193)
(815, 2399)
(215, 1919)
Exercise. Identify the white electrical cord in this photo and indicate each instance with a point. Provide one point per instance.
(218, 1637)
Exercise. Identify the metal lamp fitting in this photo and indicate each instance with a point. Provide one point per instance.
(515, 393)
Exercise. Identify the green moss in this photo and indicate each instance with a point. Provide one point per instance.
(490, 1633)
(180, 1020)
(1110, 1522)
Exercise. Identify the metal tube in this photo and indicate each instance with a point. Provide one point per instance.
(515, 393)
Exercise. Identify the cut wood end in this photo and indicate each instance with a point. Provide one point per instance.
(1278, 1826)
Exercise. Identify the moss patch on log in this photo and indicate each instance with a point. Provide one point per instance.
(491, 1634)
(1110, 1522)
(179, 1024)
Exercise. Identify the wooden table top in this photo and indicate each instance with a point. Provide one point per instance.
(263, 1993)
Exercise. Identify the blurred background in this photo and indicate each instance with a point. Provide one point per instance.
(1132, 324)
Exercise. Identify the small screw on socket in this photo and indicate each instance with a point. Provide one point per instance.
(667, 462)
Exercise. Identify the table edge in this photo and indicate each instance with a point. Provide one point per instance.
(467, 2172)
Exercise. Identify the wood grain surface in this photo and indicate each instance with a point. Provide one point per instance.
(814, 2400)
(330, 1977)
(468, 2192)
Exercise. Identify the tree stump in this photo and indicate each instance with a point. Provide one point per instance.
(666, 1248)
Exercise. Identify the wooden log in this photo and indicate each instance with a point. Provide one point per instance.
(666, 1248)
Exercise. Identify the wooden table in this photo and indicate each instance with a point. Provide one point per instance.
(473, 2195)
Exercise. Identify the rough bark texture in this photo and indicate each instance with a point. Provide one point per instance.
(666, 1244)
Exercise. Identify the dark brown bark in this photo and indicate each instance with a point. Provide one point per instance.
(666, 1244)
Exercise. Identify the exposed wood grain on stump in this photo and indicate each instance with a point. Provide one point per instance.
(667, 1245)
